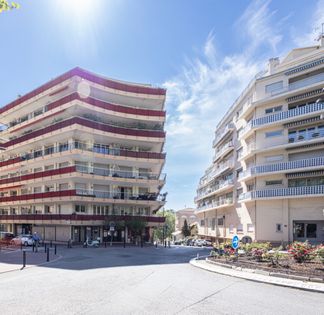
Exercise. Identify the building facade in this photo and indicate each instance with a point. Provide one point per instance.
(188, 214)
(267, 176)
(81, 153)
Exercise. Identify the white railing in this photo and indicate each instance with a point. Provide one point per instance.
(214, 172)
(216, 203)
(315, 107)
(219, 153)
(221, 134)
(284, 166)
(283, 192)
(212, 189)
(299, 84)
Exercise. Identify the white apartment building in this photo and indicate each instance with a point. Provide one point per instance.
(267, 176)
(80, 153)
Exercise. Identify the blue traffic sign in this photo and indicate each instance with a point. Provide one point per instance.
(235, 242)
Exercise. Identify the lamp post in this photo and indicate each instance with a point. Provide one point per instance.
(163, 230)
(125, 213)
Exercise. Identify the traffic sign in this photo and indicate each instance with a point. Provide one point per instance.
(235, 242)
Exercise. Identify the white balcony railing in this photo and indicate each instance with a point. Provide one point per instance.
(221, 134)
(216, 204)
(213, 189)
(299, 84)
(215, 171)
(227, 147)
(283, 192)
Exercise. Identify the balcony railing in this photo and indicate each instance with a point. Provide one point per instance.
(283, 192)
(311, 108)
(131, 88)
(216, 203)
(226, 147)
(299, 84)
(85, 193)
(220, 135)
(210, 190)
(85, 123)
(86, 170)
(78, 217)
(214, 172)
(83, 147)
(285, 166)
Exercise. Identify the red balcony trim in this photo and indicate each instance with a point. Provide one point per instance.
(106, 105)
(37, 121)
(10, 161)
(48, 173)
(90, 77)
(85, 123)
(44, 195)
(78, 217)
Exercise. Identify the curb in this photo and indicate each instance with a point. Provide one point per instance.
(259, 276)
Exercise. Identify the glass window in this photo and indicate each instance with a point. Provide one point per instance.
(300, 230)
(239, 228)
(274, 87)
(278, 227)
(231, 228)
(273, 182)
(311, 230)
(274, 133)
(202, 222)
(220, 221)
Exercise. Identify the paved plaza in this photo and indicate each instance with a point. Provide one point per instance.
(142, 281)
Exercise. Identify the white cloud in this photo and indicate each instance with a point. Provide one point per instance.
(312, 29)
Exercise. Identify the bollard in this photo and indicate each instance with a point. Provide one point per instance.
(24, 258)
(45, 247)
(36, 247)
(20, 245)
(47, 259)
(55, 249)
(33, 246)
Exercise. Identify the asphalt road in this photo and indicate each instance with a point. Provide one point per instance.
(142, 281)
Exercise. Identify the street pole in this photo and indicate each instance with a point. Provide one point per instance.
(125, 230)
(163, 230)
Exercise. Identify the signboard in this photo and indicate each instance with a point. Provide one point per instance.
(235, 242)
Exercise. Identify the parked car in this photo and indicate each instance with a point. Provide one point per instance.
(199, 243)
(24, 239)
(6, 238)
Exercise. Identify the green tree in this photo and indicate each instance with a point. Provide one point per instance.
(6, 6)
(169, 225)
(185, 229)
(137, 226)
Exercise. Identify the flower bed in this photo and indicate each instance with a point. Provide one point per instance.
(300, 259)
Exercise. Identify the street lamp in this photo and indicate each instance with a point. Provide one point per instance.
(125, 213)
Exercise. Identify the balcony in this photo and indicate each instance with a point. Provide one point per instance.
(85, 123)
(215, 171)
(121, 86)
(212, 190)
(216, 204)
(85, 193)
(221, 134)
(84, 147)
(300, 84)
(77, 217)
(228, 147)
(84, 170)
(290, 192)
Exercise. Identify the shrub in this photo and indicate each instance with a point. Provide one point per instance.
(258, 253)
(213, 253)
(319, 252)
(248, 248)
(300, 251)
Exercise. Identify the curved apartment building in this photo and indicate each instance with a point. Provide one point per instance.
(267, 176)
(80, 152)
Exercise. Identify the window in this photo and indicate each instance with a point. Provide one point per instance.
(239, 228)
(231, 228)
(80, 208)
(250, 228)
(220, 221)
(202, 222)
(273, 182)
(274, 133)
(273, 109)
(239, 172)
(274, 158)
(279, 227)
(274, 87)
(239, 153)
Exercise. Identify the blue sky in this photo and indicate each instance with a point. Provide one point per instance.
(203, 52)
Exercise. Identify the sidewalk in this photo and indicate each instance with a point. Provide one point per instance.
(249, 275)
(11, 260)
